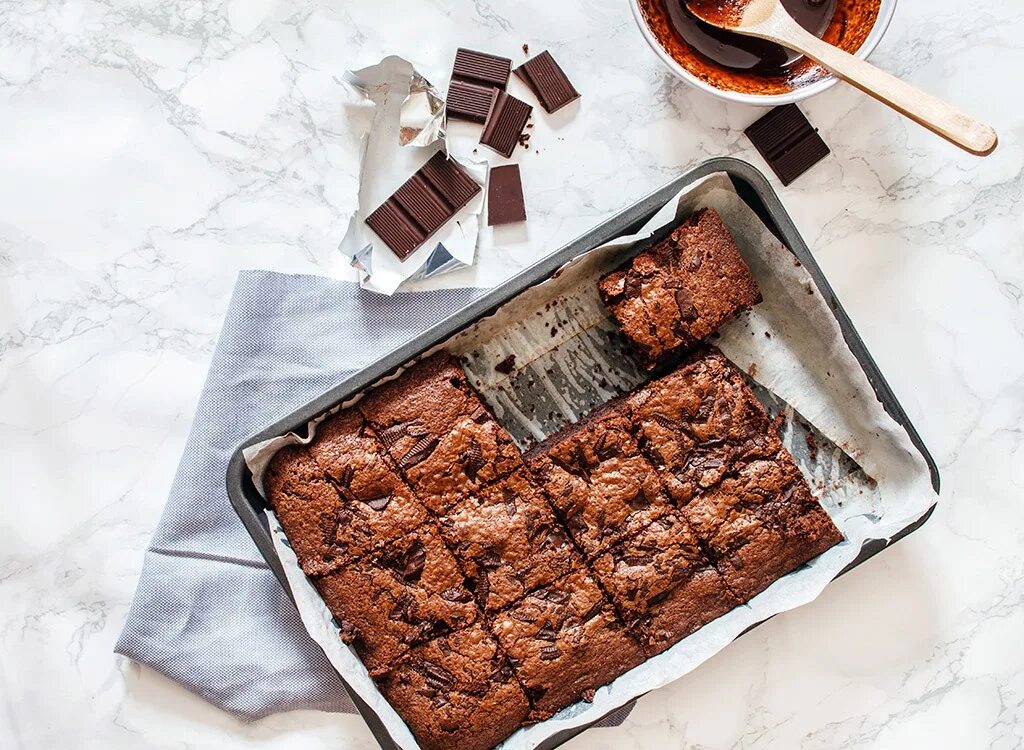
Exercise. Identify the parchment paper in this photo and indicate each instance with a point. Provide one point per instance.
(860, 462)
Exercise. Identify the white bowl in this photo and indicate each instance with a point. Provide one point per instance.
(885, 13)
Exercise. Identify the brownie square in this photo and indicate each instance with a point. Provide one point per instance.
(564, 642)
(761, 524)
(508, 542)
(663, 583)
(411, 413)
(475, 453)
(596, 478)
(697, 422)
(680, 290)
(401, 596)
(456, 692)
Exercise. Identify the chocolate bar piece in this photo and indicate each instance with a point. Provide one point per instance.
(505, 202)
(427, 200)
(505, 124)
(476, 79)
(548, 82)
(788, 142)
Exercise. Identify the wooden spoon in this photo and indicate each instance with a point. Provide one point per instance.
(767, 19)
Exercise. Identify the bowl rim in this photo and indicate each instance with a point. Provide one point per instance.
(886, 10)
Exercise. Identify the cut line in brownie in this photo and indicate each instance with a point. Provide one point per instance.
(457, 692)
(564, 642)
(408, 593)
(679, 291)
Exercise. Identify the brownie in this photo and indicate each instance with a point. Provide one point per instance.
(407, 593)
(508, 542)
(695, 423)
(596, 478)
(457, 692)
(760, 524)
(680, 290)
(663, 583)
(412, 412)
(564, 642)
(476, 453)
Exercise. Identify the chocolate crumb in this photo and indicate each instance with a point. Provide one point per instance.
(767, 335)
(507, 365)
(526, 49)
(812, 446)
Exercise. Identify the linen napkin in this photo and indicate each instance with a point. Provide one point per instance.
(208, 613)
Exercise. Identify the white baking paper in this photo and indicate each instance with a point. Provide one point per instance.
(567, 361)
(407, 129)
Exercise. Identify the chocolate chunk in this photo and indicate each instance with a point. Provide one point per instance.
(415, 559)
(505, 124)
(593, 612)
(547, 633)
(476, 79)
(427, 200)
(473, 460)
(685, 304)
(507, 365)
(456, 594)
(419, 452)
(379, 503)
(548, 82)
(505, 201)
(788, 142)
(550, 653)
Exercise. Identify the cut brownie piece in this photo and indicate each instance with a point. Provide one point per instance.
(457, 692)
(508, 542)
(663, 583)
(565, 641)
(697, 422)
(477, 452)
(406, 594)
(594, 475)
(761, 524)
(679, 291)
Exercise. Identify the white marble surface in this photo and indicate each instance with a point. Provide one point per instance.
(151, 149)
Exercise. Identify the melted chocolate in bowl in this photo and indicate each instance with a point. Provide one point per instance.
(734, 62)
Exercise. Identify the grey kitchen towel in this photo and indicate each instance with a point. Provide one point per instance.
(208, 613)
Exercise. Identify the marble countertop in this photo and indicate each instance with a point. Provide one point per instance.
(152, 148)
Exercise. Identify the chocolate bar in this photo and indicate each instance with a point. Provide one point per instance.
(476, 78)
(505, 202)
(421, 206)
(505, 124)
(548, 82)
(788, 142)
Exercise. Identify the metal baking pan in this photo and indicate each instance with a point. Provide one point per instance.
(752, 188)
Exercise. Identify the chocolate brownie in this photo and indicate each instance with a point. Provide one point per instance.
(564, 642)
(663, 583)
(407, 593)
(679, 291)
(760, 524)
(439, 433)
(697, 422)
(594, 475)
(477, 452)
(507, 541)
(457, 692)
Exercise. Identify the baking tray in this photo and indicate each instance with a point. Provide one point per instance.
(752, 187)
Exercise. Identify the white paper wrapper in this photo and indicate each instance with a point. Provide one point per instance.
(407, 129)
(566, 363)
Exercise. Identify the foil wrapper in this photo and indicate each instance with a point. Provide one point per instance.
(406, 130)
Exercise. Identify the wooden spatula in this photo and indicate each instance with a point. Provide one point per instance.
(767, 19)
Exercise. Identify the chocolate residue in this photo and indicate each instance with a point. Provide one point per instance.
(507, 365)
(812, 446)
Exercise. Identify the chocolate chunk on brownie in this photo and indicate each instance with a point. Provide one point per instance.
(406, 594)
(695, 423)
(597, 480)
(760, 524)
(457, 692)
(663, 583)
(508, 542)
(679, 291)
(477, 452)
(564, 642)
